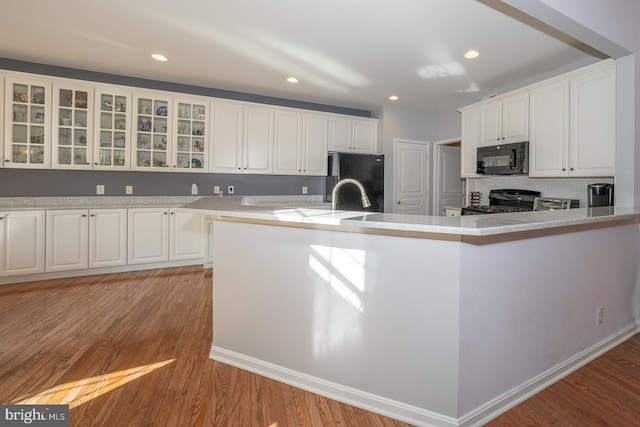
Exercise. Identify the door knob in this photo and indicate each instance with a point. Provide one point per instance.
(399, 202)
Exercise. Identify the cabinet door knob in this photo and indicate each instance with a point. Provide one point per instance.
(564, 169)
(92, 215)
(570, 169)
(84, 215)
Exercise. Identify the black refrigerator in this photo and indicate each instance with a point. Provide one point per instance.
(366, 168)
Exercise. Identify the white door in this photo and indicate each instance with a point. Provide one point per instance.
(107, 237)
(450, 189)
(186, 240)
(412, 171)
(22, 242)
(67, 240)
(148, 235)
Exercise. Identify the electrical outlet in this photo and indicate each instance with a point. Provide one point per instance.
(99, 189)
(194, 189)
(599, 315)
(128, 189)
(216, 189)
(304, 190)
(231, 189)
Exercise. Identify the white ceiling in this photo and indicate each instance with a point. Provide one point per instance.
(350, 53)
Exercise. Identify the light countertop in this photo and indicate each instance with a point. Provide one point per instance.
(478, 229)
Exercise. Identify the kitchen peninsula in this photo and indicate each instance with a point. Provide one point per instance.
(443, 321)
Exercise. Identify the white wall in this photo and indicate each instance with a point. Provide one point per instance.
(535, 308)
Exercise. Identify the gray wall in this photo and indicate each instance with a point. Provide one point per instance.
(43, 183)
(49, 183)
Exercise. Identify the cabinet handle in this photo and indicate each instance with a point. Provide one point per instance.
(7, 160)
(570, 169)
(564, 169)
(92, 215)
(84, 215)
(165, 213)
(96, 163)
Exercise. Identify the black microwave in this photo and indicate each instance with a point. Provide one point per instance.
(504, 159)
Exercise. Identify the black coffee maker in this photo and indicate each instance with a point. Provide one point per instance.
(600, 194)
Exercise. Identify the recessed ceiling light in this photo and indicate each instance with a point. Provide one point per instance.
(292, 80)
(471, 54)
(159, 57)
(394, 97)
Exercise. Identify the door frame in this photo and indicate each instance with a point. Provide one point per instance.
(427, 144)
(435, 168)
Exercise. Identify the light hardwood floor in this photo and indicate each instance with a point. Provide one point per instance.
(131, 349)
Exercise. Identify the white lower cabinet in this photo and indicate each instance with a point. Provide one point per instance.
(187, 236)
(163, 234)
(148, 235)
(77, 239)
(21, 242)
(67, 240)
(107, 237)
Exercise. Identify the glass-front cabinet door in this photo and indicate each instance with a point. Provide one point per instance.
(190, 136)
(27, 123)
(151, 148)
(72, 134)
(112, 130)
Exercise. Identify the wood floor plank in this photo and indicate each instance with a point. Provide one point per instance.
(131, 349)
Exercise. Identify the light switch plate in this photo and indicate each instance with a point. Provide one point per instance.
(99, 189)
(128, 189)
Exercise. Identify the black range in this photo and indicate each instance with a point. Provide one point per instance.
(504, 201)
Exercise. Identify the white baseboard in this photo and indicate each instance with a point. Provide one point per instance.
(370, 402)
(510, 399)
(94, 271)
(414, 415)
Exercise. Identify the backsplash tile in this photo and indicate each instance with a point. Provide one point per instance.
(567, 188)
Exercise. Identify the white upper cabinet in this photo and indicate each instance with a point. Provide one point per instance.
(191, 135)
(242, 138)
(505, 121)
(593, 123)
(72, 134)
(469, 144)
(258, 140)
(300, 143)
(353, 135)
(315, 139)
(226, 132)
(112, 129)
(288, 142)
(64, 123)
(1, 122)
(27, 124)
(549, 144)
(573, 126)
(152, 128)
